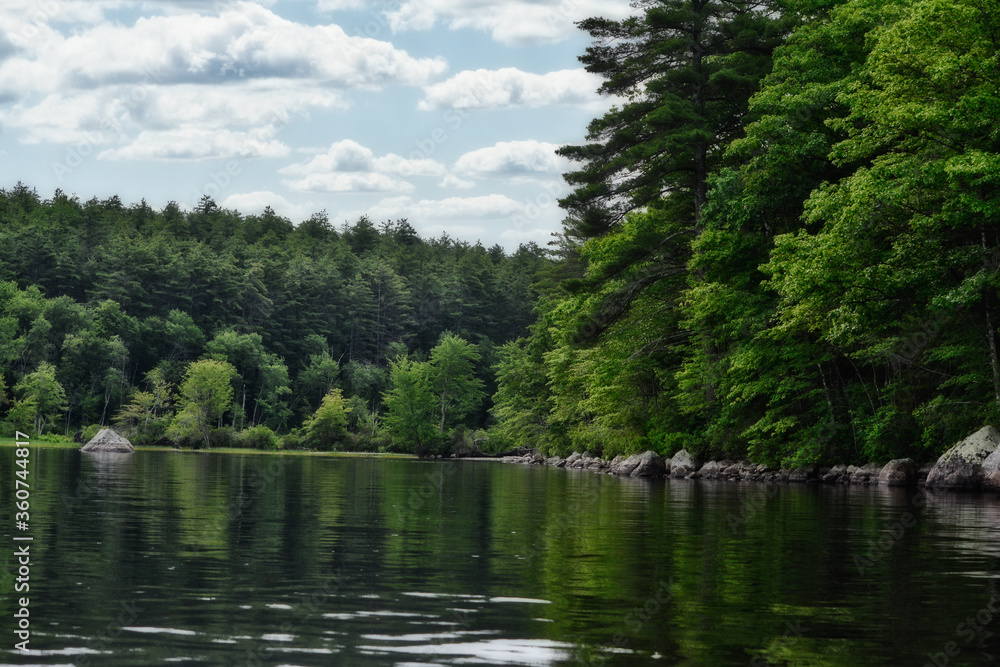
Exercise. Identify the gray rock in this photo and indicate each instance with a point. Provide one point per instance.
(626, 467)
(651, 464)
(866, 474)
(107, 441)
(552, 460)
(835, 474)
(712, 469)
(991, 471)
(615, 464)
(961, 467)
(573, 458)
(898, 472)
(683, 464)
(803, 474)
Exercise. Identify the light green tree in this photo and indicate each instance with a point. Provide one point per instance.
(411, 406)
(42, 398)
(452, 378)
(326, 427)
(205, 394)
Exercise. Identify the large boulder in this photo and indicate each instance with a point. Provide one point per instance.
(107, 441)
(991, 471)
(683, 464)
(866, 474)
(626, 466)
(651, 464)
(898, 472)
(961, 467)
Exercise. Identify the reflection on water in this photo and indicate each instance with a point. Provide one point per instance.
(213, 558)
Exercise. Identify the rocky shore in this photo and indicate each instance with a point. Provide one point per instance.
(972, 464)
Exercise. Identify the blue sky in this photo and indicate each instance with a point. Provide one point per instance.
(444, 112)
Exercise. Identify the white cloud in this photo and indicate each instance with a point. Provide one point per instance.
(244, 41)
(511, 22)
(452, 181)
(510, 87)
(347, 166)
(194, 144)
(250, 203)
(450, 208)
(513, 159)
(241, 70)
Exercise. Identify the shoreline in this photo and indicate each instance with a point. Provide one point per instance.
(955, 470)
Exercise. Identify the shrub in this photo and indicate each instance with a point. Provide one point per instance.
(259, 437)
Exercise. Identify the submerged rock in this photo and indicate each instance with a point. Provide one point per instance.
(107, 441)
(961, 467)
(898, 472)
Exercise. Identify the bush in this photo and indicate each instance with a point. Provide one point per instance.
(223, 437)
(259, 437)
(292, 440)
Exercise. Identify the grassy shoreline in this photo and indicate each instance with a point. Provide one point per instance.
(59, 444)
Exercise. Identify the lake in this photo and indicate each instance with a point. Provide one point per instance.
(241, 559)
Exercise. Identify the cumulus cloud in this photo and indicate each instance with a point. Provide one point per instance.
(454, 182)
(241, 69)
(195, 144)
(510, 22)
(513, 159)
(347, 166)
(510, 87)
(250, 203)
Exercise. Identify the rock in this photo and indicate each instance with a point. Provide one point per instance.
(683, 464)
(961, 467)
(573, 458)
(866, 474)
(552, 460)
(804, 474)
(596, 464)
(835, 474)
(991, 471)
(898, 472)
(107, 441)
(651, 464)
(615, 464)
(712, 469)
(626, 467)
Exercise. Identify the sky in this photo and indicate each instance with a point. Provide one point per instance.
(444, 112)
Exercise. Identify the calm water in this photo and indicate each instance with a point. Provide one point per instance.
(224, 559)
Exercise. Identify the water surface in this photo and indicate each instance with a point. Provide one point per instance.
(229, 559)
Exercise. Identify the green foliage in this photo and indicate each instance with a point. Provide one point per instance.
(412, 408)
(204, 395)
(326, 428)
(259, 437)
(451, 375)
(40, 399)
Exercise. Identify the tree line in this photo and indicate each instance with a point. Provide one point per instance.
(782, 244)
(210, 327)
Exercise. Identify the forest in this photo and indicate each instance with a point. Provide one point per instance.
(781, 245)
(211, 328)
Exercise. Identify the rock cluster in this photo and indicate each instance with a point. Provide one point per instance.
(973, 463)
